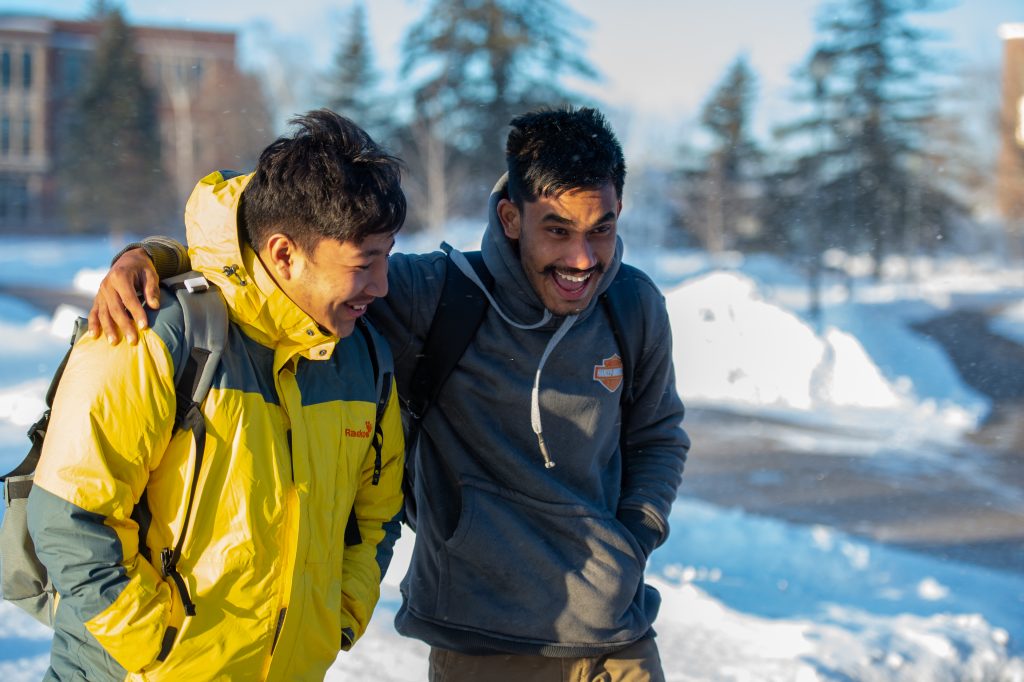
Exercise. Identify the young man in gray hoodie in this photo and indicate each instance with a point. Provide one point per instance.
(534, 513)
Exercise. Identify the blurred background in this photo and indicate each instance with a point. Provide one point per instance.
(830, 193)
(876, 126)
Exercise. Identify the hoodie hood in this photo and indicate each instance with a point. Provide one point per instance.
(255, 302)
(512, 289)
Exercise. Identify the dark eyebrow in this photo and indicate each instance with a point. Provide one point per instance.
(555, 218)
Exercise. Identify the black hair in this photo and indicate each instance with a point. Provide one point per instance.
(327, 180)
(551, 151)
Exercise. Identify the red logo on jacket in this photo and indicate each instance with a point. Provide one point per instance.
(609, 373)
(352, 433)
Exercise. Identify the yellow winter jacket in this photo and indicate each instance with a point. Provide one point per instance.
(288, 459)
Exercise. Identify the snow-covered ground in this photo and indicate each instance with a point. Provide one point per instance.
(744, 597)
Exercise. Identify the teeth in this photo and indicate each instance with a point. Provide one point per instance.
(574, 278)
(359, 307)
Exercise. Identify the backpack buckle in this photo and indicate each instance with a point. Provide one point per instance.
(39, 427)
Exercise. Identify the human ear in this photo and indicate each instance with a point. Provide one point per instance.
(282, 256)
(510, 217)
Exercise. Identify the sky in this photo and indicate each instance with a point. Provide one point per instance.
(659, 60)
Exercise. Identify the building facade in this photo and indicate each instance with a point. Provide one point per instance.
(44, 62)
(1010, 171)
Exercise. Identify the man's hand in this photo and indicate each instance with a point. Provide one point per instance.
(117, 309)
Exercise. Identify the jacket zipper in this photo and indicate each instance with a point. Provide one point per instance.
(290, 541)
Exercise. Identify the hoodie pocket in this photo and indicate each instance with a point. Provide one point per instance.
(520, 568)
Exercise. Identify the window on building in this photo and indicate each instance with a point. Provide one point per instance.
(5, 135)
(72, 66)
(26, 136)
(14, 199)
(5, 69)
(26, 70)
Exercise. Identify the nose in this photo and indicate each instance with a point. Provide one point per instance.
(378, 284)
(580, 254)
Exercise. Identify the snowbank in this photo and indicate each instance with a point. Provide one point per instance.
(735, 349)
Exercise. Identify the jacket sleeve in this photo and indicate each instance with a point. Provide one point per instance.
(111, 421)
(169, 256)
(655, 443)
(378, 510)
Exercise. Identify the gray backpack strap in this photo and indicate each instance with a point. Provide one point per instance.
(206, 331)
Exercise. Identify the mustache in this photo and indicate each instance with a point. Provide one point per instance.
(551, 269)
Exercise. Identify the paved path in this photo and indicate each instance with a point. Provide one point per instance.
(965, 504)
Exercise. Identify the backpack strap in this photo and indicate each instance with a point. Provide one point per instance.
(459, 313)
(622, 305)
(206, 330)
(383, 373)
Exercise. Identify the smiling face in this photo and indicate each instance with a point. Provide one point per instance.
(566, 242)
(335, 283)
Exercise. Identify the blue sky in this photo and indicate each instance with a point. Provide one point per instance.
(659, 58)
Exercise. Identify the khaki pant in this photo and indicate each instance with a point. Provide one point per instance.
(637, 663)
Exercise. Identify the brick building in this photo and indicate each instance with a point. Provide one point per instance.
(43, 61)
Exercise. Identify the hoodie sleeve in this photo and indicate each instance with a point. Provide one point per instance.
(378, 508)
(403, 317)
(655, 442)
(112, 419)
(169, 256)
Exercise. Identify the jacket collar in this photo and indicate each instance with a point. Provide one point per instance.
(255, 302)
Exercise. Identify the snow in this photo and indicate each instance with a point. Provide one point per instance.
(1011, 323)
(744, 597)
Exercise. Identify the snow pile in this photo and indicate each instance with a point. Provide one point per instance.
(1011, 323)
(734, 349)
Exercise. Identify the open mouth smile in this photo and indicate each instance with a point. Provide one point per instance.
(571, 285)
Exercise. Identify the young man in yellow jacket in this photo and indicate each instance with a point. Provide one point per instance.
(298, 249)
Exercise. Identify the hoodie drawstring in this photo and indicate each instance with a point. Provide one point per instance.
(462, 264)
(535, 394)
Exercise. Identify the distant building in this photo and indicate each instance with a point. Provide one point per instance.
(44, 61)
(1010, 175)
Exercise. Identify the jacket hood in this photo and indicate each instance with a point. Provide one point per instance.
(512, 289)
(255, 302)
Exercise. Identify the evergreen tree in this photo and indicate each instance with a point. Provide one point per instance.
(353, 85)
(474, 64)
(722, 192)
(110, 170)
(868, 155)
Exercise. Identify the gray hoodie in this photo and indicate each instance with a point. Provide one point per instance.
(513, 556)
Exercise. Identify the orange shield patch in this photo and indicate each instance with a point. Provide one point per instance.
(609, 373)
